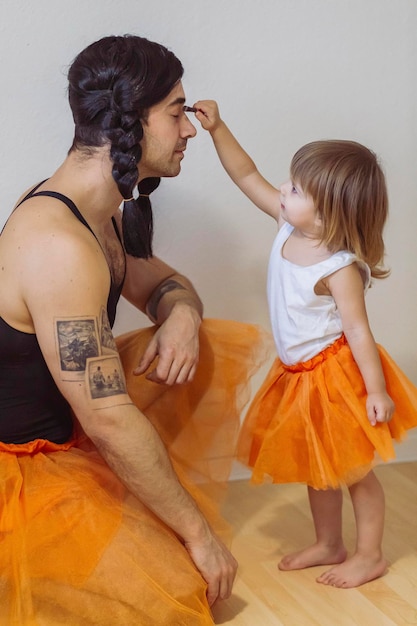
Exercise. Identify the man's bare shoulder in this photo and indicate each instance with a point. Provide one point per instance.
(42, 214)
(44, 248)
(42, 227)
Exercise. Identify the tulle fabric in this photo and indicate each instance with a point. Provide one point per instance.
(76, 548)
(308, 422)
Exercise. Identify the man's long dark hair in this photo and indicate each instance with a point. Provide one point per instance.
(112, 85)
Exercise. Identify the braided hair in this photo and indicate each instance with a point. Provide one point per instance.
(112, 85)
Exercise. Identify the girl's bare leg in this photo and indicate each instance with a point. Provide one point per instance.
(326, 509)
(368, 562)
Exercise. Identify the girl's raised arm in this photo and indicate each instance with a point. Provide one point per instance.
(237, 163)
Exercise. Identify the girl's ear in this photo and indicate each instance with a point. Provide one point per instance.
(317, 219)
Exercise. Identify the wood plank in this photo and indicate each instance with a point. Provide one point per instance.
(271, 520)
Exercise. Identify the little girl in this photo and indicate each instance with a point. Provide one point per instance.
(326, 408)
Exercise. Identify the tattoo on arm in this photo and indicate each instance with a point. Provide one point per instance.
(105, 377)
(87, 351)
(106, 336)
(158, 294)
(81, 340)
(77, 341)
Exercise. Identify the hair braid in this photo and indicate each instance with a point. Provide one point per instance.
(137, 221)
(112, 85)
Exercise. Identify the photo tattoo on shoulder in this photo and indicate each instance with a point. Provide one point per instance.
(158, 294)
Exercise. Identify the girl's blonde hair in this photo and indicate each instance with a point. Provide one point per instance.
(348, 189)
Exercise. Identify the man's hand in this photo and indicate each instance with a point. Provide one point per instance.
(176, 344)
(216, 565)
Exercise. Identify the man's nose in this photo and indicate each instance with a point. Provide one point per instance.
(188, 129)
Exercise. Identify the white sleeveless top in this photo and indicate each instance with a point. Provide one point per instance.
(303, 323)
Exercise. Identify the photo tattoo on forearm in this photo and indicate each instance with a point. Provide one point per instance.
(158, 294)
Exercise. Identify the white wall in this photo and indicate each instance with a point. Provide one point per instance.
(284, 72)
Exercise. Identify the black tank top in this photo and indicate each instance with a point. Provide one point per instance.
(31, 405)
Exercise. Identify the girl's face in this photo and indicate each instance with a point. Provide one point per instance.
(297, 208)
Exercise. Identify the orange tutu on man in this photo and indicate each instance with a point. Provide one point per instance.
(308, 422)
(76, 547)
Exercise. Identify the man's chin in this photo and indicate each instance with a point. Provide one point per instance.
(169, 171)
(172, 172)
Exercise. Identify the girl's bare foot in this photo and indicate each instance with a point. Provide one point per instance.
(356, 571)
(317, 554)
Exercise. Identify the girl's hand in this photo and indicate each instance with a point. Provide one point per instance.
(379, 407)
(207, 114)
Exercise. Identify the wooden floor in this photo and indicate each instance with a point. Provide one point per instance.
(271, 520)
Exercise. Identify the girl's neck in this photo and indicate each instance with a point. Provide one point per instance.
(302, 248)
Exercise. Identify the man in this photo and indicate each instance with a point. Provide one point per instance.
(78, 548)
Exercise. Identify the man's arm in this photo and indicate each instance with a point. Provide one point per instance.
(170, 300)
(132, 448)
(145, 288)
(72, 328)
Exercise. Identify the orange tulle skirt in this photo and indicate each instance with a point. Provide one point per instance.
(76, 548)
(308, 422)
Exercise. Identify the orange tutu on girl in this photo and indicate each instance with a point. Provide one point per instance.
(308, 422)
(76, 548)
